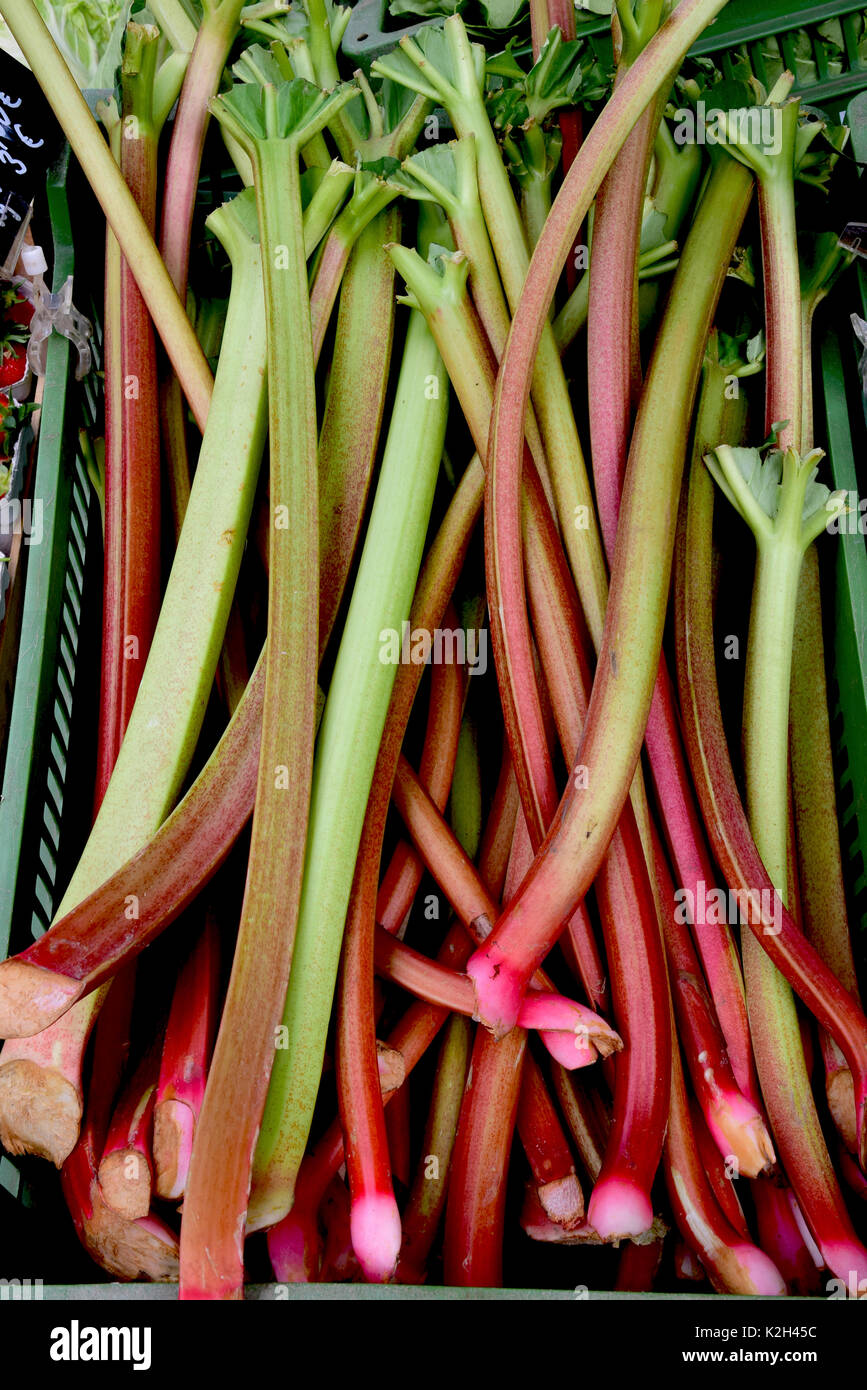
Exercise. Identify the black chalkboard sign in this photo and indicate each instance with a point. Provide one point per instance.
(29, 141)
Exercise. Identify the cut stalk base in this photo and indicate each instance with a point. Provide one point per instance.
(40, 1111)
(125, 1183)
(174, 1126)
(32, 998)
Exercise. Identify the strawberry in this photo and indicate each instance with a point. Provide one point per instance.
(14, 335)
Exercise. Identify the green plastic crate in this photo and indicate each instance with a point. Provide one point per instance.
(36, 837)
(40, 822)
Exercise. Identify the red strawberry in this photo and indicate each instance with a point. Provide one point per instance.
(14, 335)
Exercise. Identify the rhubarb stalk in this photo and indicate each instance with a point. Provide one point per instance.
(346, 754)
(272, 125)
(165, 724)
(622, 690)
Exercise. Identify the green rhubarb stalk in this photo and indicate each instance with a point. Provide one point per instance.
(448, 174)
(116, 201)
(823, 893)
(165, 723)
(346, 753)
(372, 196)
(774, 166)
(176, 684)
(446, 67)
(534, 158)
(280, 62)
(786, 510)
(326, 203)
(354, 406)
(272, 124)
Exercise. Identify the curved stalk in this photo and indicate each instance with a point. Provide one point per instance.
(622, 690)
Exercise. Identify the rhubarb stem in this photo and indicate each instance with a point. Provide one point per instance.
(349, 738)
(272, 124)
(622, 690)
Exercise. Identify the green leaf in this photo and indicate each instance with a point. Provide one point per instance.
(761, 475)
(425, 9)
(89, 34)
(295, 110)
(500, 14)
(565, 74)
(438, 162)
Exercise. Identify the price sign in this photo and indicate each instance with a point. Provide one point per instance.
(29, 140)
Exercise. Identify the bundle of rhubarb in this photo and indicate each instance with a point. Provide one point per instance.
(459, 959)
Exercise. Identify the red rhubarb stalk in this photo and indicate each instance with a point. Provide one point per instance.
(784, 1237)
(737, 1126)
(717, 1172)
(780, 1066)
(622, 691)
(548, 1151)
(186, 1055)
(210, 52)
(126, 1168)
(405, 869)
(427, 1200)
(145, 1248)
(476, 1206)
(613, 357)
(731, 842)
(733, 1265)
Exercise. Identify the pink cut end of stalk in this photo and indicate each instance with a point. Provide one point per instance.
(618, 1209)
(846, 1260)
(498, 988)
(294, 1248)
(125, 1180)
(563, 1202)
(40, 1111)
(174, 1127)
(766, 1279)
(739, 1132)
(586, 1031)
(32, 998)
(376, 1234)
